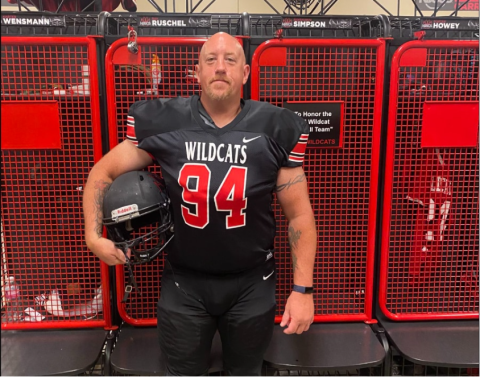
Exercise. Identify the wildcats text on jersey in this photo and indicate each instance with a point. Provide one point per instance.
(229, 153)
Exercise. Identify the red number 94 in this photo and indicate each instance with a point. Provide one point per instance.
(230, 196)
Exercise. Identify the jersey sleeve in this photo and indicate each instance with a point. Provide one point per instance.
(297, 145)
(131, 136)
(131, 133)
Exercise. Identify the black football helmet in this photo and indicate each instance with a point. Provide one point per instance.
(134, 203)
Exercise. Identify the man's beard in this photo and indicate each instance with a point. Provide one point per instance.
(213, 94)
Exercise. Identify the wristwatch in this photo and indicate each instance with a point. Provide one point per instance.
(302, 289)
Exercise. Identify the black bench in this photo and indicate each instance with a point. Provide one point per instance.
(326, 346)
(437, 343)
(137, 351)
(50, 352)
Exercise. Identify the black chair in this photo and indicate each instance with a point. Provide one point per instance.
(51, 352)
(436, 343)
(137, 352)
(326, 346)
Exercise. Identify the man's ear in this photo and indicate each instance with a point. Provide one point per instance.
(246, 72)
(197, 70)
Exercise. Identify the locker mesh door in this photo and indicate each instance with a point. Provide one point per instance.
(43, 176)
(343, 180)
(431, 219)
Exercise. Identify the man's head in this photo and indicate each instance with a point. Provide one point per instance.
(221, 69)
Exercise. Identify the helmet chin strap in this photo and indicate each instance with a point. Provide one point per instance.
(124, 246)
(132, 282)
(144, 256)
(157, 252)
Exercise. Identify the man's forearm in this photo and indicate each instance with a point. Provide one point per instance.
(302, 237)
(95, 189)
(123, 158)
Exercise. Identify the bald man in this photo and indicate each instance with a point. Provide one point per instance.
(222, 159)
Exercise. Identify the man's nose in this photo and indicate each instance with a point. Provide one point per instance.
(220, 66)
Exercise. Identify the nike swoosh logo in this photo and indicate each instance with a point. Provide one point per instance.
(249, 140)
(270, 274)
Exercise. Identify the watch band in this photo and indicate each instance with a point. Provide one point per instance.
(302, 289)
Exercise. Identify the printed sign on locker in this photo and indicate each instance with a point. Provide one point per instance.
(447, 5)
(325, 121)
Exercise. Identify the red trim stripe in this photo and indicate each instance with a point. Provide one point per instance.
(295, 159)
(300, 147)
(131, 132)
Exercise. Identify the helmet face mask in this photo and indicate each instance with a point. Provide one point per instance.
(136, 213)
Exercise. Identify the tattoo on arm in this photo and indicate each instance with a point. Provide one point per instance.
(299, 178)
(293, 237)
(294, 262)
(101, 188)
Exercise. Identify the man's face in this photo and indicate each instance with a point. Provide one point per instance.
(222, 70)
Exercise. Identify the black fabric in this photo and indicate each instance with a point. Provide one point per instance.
(194, 305)
(238, 162)
(206, 117)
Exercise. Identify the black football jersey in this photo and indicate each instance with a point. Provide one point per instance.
(220, 180)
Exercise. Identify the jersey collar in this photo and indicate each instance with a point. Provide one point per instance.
(197, 108)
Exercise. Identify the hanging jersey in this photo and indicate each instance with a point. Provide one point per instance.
(220, 180)
(430, 191)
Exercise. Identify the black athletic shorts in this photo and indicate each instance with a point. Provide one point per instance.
(194, 305)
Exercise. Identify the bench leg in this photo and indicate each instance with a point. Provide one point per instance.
(382, 337)
(111, 337)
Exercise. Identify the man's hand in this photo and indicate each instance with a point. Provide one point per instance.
(106, 250)
(298, 315)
